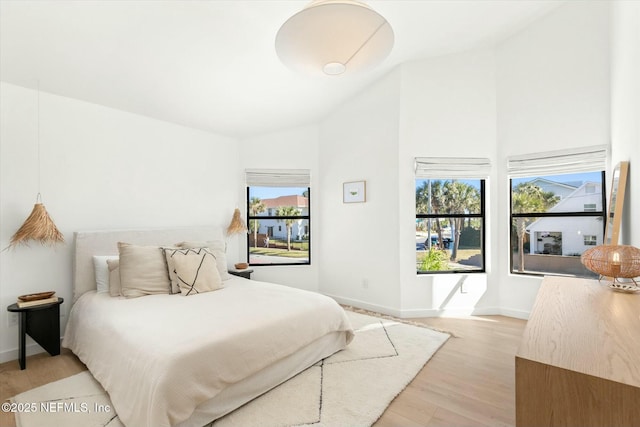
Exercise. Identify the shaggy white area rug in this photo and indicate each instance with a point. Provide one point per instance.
(351, 388)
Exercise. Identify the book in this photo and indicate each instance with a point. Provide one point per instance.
(23, 304)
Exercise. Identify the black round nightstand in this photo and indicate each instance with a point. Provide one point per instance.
(42, 323)
(246, 273)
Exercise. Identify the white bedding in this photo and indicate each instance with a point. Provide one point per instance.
(161, 356)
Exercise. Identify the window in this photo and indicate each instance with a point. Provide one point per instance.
(590, 240)
(549, 232)
(450, 215)
(278, 217)
(557, 206)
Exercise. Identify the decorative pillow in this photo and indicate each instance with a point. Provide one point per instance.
(173, 279)
(217, 248)
(102, 271)
(143, 270)
(195, 270)
(114, 277)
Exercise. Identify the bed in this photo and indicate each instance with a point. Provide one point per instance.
(172, 360)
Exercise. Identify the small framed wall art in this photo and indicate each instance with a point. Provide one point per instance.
(354, 192)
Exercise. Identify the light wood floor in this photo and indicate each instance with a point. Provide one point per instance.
(468, 382)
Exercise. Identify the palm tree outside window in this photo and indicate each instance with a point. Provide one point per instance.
(279, 221)
(450, 217)
(554, 219)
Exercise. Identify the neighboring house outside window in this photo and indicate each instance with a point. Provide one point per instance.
(557, 209)
(554, 223)
(590, 240)
(278, 216)
(278, 223)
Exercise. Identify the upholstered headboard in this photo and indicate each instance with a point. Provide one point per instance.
(90, 243)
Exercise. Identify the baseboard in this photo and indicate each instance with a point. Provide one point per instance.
(463, 312)
(451, 312)
(447, 312)
(14, 354)
(518, 314)
(367, 306)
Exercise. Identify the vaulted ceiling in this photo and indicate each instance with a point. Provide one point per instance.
(212, 64)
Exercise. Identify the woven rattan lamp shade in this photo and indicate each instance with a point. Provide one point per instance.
(237, 225)
(39, 227)
(617, 261)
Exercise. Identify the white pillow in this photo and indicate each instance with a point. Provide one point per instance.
(102, 271)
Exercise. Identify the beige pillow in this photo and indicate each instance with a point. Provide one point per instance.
(114, 277)
(196, 271)
(217, 248)
(169, 254)
(143, 270)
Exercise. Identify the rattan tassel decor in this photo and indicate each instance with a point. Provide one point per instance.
(237, 225)
(39, 227)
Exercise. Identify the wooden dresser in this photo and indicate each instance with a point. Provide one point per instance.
(579, 360)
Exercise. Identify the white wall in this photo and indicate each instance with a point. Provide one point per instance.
(296, 149)
(545, 88)
(364, 254)
(366, 251)
(101, 168)
(359, 241)
(625, 108)
(552, 93)
(448, 110)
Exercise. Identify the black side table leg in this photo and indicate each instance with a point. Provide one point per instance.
(44, 327)
(23, 337)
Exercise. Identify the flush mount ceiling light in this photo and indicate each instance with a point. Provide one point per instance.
(334, 37)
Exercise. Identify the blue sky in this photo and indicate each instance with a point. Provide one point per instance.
(571, 178)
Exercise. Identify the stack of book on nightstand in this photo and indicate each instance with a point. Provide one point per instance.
(40, 298)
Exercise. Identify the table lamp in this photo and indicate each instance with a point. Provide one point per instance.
(617, 262)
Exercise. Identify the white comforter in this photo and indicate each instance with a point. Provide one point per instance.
(160, 356)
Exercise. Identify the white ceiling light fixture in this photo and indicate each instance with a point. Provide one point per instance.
(334, 37)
